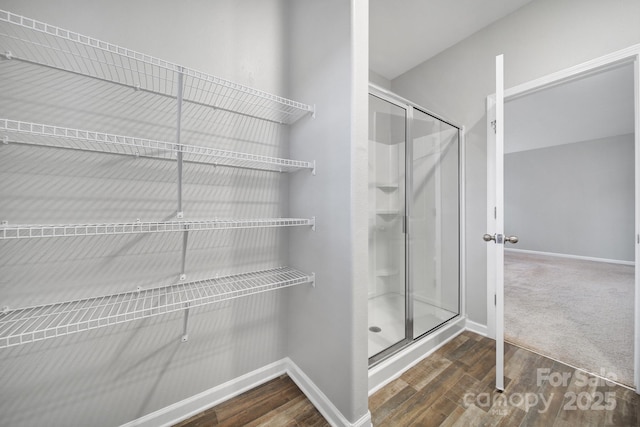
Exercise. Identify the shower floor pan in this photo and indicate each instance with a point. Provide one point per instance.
(387, 320)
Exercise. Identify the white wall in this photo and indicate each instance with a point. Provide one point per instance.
(114, 375)
(542, 37)
(590, 214)
(328, 324)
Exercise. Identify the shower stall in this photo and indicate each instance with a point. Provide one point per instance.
(414, 223)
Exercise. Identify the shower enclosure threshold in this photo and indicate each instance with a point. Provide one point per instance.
(394, 365)
(387, 320)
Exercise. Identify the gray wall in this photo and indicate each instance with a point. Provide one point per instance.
(328, 325)
(573, 199)
(542, 37)
(113, 375)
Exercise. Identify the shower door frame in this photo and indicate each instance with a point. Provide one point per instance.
(409, 107)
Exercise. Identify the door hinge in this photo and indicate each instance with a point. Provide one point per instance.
(495, 212)
(495, 299)
(494, 126)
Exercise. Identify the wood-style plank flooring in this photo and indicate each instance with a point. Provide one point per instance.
(454, 387)
(278, 402)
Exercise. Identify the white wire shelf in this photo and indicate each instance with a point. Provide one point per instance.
(32, 41)
(29, 231)
(20, 132)
(24, 325)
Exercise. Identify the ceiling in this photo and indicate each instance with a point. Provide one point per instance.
(596, 106)
(403, 34)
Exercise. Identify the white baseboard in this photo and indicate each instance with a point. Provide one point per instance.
(193, 405)
(478, 328)
(320, 400)
(391, 368)
(580, 257)
(378, 377)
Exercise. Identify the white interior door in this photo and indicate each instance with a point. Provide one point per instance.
(636, 342)
(495, 220)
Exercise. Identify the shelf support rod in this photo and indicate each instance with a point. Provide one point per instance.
(180, 213)
(185, 239)
(185, 329)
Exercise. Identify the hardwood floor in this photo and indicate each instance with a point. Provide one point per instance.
(278, 402)
(453, 387)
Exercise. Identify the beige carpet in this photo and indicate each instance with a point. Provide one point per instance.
(578, 312)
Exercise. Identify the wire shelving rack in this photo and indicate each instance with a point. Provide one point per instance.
(25, 325)
(15, 131)
(32, 42)
(30, 231)
(29, 40)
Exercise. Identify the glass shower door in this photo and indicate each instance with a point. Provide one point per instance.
(387, 295)
(434, 223)
(414, 220)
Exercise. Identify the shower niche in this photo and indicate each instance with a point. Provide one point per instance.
(414, 205)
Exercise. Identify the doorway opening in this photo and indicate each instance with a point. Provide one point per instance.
(570, 196)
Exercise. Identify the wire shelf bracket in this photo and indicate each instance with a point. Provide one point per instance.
(25, 325)
(185, 327)
(312, 278)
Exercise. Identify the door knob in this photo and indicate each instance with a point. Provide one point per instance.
(501, 239)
